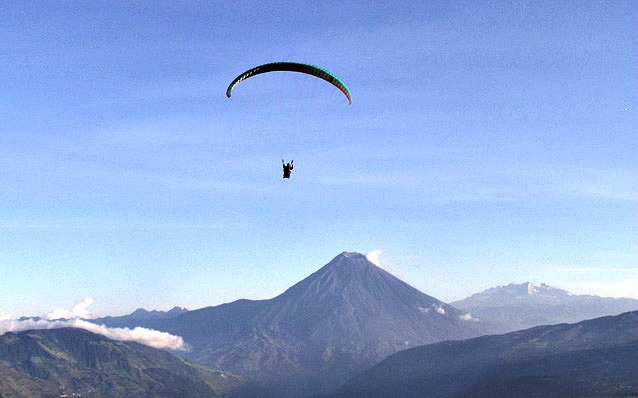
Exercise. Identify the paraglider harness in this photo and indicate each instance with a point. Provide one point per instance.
(287, 168)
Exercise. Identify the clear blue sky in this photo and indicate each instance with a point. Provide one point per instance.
(487, 143)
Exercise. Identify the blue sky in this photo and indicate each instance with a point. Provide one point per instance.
(487, 143)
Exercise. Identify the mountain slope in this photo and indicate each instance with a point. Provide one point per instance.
(590, 358)
(525, 305)
(341, 319)
(350, 299)
(37, 363)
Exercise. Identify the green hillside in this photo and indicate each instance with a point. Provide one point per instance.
(38, 363)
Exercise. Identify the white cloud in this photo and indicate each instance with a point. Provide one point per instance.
(466, 317)
(423, 310)
(437, 308)
(63, 318)
(79, 310)
(373, 257)
(149, 337)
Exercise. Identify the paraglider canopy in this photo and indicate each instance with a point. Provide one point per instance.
(292, 67)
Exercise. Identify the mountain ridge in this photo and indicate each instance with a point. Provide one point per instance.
(138, 315)
(519, 306)
(589, 358)
(38, 362)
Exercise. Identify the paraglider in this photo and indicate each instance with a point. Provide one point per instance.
(292, 67)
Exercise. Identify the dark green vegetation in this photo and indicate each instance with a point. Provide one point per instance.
(342, 319)
(37, 363)
(596, 358)
(525, 305)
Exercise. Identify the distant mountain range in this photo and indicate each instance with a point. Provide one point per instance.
(591, 358)
(138, 315)
(521, 306)
(347, 316)
(340, 320)
(44, 363)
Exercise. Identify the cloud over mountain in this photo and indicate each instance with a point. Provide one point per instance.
(373, 257)
(63, 318)
(79, 310)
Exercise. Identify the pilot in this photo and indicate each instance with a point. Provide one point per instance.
(287, 168)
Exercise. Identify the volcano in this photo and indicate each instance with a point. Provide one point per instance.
(340, 320)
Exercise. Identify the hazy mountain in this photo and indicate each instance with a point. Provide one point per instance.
(524, 305)
(137, 316)
(590, 358)
(37, 363)
(340, 320)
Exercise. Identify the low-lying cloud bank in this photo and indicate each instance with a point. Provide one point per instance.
(148, 337)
